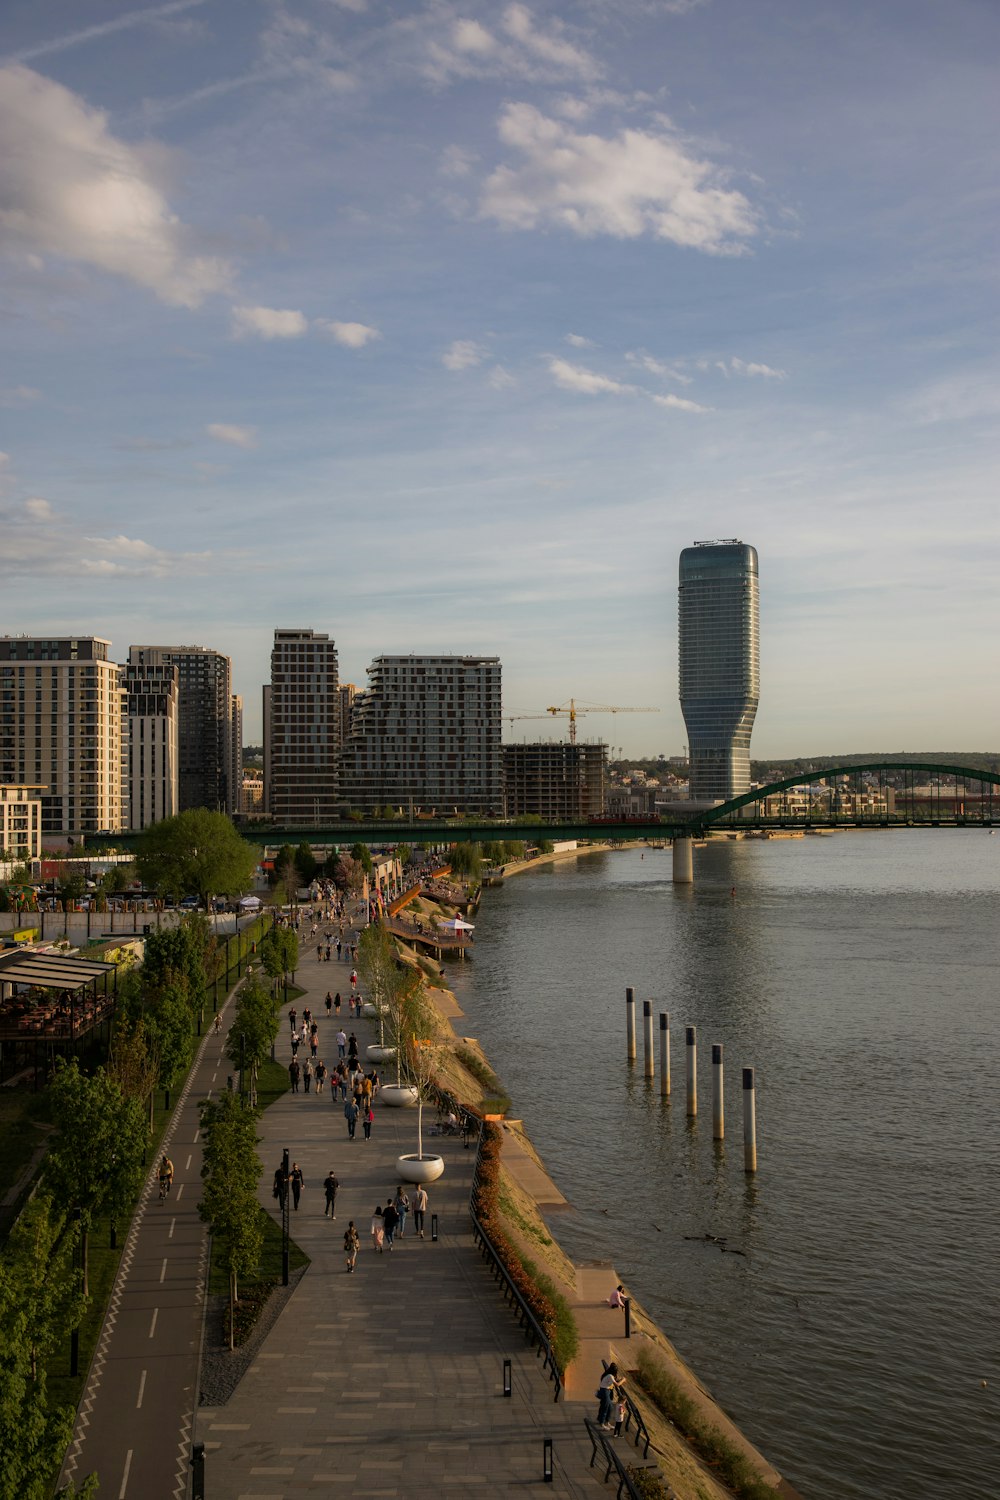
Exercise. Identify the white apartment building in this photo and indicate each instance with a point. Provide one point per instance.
(425, 735)
(20, 823)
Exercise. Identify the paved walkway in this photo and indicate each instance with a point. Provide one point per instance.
(387, 1382)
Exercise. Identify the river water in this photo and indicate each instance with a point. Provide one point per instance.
(859, 974)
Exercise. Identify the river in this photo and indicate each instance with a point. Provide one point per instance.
(859, 974)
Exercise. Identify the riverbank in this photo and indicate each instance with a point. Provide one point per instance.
(529, 1197)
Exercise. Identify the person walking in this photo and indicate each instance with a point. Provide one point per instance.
(328, 1003)
(295, 1043)
(292, 1017)
(353, 1049)
(330, 1186)
(419, 1209)
(351, 1116)
(307, 1074)
(293, 1075)
(390, 1219)
(367, 1120)
(339, 946)
(313, 1046)
(336, 1005)
(354, 979)
(320, 1075)
(341, 1043)
(352, 1245)
(378, 1230)
(401, 1204)
(298, 1182)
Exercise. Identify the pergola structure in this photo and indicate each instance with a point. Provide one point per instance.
(52, 999)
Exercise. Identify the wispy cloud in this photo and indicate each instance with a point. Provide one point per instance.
(677, 403)
(501, 379)
(103, 29)
(654, 366)
(235, 436)
(463, 354)
(516, 47)
(74, 191)
(351, 335)
(578, 341)
(269, 322)
(586, 382)
(638, 182)
(741, 367)
(19, 395)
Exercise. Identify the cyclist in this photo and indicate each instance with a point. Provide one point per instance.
(166, 1176)
(217, 1028)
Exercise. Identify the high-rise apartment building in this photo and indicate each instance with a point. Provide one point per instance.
(426, 733)
(555, 779)
(150, 740)
(236, 753)
(204, 723)
(302, 729)
(61, 730)
(719, 665)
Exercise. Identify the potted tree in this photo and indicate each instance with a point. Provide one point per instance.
(377, 966)
(421, 1051)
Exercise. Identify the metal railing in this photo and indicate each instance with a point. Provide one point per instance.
(605, 1446)
(532, 1328)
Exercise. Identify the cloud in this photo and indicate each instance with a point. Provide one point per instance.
(457, 161)
(39, 541)
(269, 322)
(19, 395)
(586, 382)
(71, 189)
(628, 185)
(236, 437)
(351, 335)
(465, 48)
(105, 28)
(39, 509)
(578, 341)
(677, 403)
(656, 366)
(501, 379)
(740, 367)
(463, 354)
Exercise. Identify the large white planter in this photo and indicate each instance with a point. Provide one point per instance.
(419, 1168)
(375, 1053)
(369, 1010)
(398, 1095)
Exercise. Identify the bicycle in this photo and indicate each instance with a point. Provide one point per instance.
(164, 1187)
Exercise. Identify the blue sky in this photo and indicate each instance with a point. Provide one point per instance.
(445, 326)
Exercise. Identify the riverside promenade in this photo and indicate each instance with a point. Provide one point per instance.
(388, 1382)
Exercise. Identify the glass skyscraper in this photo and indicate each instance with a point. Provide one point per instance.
(719, 665)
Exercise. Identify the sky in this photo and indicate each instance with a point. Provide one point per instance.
(444, 326)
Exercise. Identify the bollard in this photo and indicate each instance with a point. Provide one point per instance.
(627, 1304)
(647, 1038)
(665, 1053)
(749, 1122)
(630, 1024)
(434, 1228)
(718, 1105)
(198, 1471)
(507, 1388)
(691, 1037)
(547, 1461)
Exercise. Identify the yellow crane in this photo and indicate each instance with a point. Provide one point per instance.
(572, 710)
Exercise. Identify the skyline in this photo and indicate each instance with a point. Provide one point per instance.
(447, 331)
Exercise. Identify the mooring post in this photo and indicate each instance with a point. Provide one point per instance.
(749, 1122)
(664, 1053)
(647, 1038)
(683, 862)
(630, 1024)
(718, 1106)
(691, 1038)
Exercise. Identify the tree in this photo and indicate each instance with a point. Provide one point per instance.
(385, 985)
(254, 1029)
(195, 853)
(71, 886)
(179, 952)
(348, 874)
(170, 1021)
(422, 1048)
(362, 855)
(230, 1172)
(100, 1138)
(134, 1063)
(306, 864)
(466, 859)
(116, 880)
(279, 953)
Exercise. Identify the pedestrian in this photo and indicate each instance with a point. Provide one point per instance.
(354, 979)
(342, 1079)
(378, 1230)
(367, 1120)
(607, 1394)
(330, 1186)
(293, 1075)
(351, 1116)
(389, 1221)
(328, 952)
(295, 1042)
(307, 1074)
(329, 1003)
(620, 1409)
(313, 1046)
(419, 1209)
(351, 1245)
(306, 1016)
(336, 1004)
(320, 1075)
(341, 1042)
(352, 1048)
(319, 953)
(401, 1204)
(298, 1183)
(278, 1191)
(292, 1017)
(339, 946)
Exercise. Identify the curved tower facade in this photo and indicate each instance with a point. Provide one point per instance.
(719, 665)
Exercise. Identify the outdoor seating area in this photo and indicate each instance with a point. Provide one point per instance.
(52, 998)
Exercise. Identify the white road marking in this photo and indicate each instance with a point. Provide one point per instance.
(128, 1465)
(170, 1233)
(152, 1328)
(197, 1134)
(142, 1383)
(178, 1194)
(163, 1270)
(188, 1166)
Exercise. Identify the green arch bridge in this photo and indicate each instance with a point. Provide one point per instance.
(878, 794)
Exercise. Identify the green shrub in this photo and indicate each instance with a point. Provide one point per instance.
(648, 1483)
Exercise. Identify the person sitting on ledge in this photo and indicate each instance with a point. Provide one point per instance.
(617, 1298)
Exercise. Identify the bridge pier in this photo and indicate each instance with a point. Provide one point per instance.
(683, 861)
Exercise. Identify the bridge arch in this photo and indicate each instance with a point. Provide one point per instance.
(989, 810)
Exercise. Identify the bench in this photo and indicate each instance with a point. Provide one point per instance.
(604, 1444)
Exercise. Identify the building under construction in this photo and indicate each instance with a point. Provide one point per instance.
(554, 779)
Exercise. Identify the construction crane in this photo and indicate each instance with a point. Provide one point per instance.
(573, 711)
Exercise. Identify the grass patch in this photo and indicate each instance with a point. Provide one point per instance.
(268, 1271)
(729, 1463)
(495, 1100)
(647, 1483)
(566, 1336)
(272, 1082)
(525, 1226)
